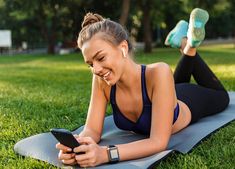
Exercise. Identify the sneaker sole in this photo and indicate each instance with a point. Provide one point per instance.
(171, 35)
(198, 18)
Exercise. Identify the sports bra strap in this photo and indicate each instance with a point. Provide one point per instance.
(143, 86)
(113, 94)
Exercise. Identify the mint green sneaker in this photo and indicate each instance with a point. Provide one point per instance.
(197, 22)
(175, 36)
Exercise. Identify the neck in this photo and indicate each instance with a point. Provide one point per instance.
(131, 75)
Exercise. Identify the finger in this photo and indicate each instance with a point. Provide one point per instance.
(85, 140)
(82, 157)
(63, 147)
(83, 163)
(64, 156)
(81, 148)
(70, 162)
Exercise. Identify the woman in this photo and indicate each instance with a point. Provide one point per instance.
(145, 99)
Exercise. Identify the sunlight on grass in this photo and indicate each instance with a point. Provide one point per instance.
(44, 64)
(218, 47)
(226, 70)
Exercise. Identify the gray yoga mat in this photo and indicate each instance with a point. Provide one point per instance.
(42, 146)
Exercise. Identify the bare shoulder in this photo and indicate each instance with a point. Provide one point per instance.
(155, 74)
(158, 70)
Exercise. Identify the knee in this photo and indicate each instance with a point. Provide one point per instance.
(225, 99)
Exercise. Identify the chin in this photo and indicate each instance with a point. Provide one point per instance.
(111, 81)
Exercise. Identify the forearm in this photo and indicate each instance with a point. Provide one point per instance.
(139, 149)
(86, 132)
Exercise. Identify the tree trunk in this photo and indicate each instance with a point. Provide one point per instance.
(147, 26)
(51, 44)
(125, 12)
(47, 27)
(234, 38)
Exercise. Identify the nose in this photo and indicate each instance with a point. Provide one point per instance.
(97, 68)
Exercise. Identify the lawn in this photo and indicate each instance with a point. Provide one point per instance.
(43, 91)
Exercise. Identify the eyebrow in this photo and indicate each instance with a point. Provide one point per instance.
(95, 55)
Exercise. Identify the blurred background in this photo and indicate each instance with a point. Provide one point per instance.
(52, 26)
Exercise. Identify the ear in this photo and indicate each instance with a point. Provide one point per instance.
(124, 48)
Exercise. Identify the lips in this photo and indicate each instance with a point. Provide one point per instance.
(105, 76)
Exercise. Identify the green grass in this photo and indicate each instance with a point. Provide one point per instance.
(41, 92)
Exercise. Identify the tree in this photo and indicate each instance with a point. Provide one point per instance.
(52, 21)
(146, 7)
(47, 21)
(124, 12)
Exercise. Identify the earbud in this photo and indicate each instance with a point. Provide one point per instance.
(123, 53)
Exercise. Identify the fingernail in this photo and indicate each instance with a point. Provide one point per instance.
(69, 149)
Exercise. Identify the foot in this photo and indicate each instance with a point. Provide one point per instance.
(175, 36)
(196, 31)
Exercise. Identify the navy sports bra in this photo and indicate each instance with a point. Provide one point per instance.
(143, 124)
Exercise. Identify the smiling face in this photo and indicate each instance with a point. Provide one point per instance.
(105, 59)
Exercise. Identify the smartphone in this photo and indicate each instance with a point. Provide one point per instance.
(65, 137)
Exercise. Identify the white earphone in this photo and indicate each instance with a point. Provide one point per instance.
(123, 52)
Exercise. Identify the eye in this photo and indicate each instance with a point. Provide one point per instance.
(101, 58)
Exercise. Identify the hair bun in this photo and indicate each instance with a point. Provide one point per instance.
(91, 18)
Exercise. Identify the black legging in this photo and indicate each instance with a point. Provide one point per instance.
(208, 96)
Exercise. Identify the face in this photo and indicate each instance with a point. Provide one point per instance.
(104, 59)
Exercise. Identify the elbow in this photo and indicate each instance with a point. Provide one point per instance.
(162, 147)
(159, 145)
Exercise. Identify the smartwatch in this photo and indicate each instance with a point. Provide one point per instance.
(113, 154)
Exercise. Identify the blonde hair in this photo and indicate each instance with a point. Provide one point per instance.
(111, 31)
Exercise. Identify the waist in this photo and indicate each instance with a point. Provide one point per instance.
(184, 117)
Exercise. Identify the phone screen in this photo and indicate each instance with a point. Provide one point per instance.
(65, 137)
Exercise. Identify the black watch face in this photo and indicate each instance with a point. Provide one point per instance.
(114, 153)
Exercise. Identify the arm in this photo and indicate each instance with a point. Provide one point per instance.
(163, 103)
(96, 112)
(94, 122)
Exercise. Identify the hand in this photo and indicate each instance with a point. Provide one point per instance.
(94, 154)
(65, 154)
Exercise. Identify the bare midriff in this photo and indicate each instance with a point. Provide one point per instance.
(184, 118)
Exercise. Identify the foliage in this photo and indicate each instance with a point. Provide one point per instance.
(54, 20)
(47, 22)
